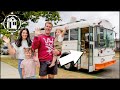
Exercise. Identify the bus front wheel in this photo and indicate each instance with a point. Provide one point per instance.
(69, 66)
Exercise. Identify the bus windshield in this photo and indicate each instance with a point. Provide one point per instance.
(104, 38)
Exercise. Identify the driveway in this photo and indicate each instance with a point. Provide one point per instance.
(112, 72)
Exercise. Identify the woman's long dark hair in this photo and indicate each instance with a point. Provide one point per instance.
(19, 40)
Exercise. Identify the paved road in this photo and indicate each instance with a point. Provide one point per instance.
(4, 55)
(112, 72)
(8, 72)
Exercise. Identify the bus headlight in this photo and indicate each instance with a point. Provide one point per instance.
(113, 57)
(102, 60)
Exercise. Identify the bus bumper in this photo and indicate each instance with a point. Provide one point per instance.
(104, 65)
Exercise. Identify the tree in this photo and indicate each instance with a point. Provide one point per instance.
(33, 16)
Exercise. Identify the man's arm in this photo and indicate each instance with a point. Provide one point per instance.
(36, 40)
(35, 43)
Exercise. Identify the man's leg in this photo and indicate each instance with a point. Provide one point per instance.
(50, 76)
(52, 71)
(43, 77)
(43, 70)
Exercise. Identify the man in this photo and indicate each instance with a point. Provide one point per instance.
(45, 44)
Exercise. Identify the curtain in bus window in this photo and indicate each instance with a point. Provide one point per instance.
(66, 35)
(73, 34)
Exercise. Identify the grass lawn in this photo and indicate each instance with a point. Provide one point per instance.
(61, 72)
(10, 61)
(13, 62)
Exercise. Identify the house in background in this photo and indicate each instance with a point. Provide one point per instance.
(11, 23)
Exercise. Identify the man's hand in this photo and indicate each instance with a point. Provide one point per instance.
(37, 31)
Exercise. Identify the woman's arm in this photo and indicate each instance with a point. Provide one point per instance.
(10, 48)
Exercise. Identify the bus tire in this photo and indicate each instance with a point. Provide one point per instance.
(69, 66)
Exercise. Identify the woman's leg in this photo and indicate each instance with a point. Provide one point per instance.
(20, 69)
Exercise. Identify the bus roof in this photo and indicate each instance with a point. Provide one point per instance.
(82, 24)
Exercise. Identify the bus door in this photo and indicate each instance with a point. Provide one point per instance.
(91, 43)
(79, 47)
(84, 47)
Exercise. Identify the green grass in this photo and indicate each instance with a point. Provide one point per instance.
(14, 62)
(61, 72)
(10, 61)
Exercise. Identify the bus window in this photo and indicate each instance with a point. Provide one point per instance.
(104, 38)
(95, 37)
(52, 34)
(110, 38)
(99, 37)
(66, 36)
(73, 34)
(91, 34)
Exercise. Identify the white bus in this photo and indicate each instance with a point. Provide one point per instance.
(95, 38)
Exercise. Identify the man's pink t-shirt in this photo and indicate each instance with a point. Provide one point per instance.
(45, 45)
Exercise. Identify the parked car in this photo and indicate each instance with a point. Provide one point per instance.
(4, 50)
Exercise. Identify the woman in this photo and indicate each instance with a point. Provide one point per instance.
(18, 46)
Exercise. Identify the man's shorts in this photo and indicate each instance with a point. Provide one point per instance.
(44, 68)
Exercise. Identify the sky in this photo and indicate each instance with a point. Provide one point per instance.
(112, 16)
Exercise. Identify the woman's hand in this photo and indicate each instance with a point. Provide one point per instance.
(7, 40)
